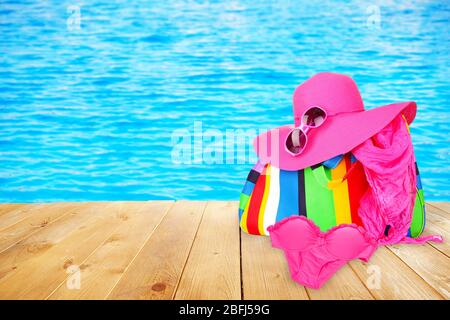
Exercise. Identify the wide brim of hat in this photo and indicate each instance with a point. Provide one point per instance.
(339, 134)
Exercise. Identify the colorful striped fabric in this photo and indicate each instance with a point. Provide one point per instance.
(246, 193)
(271, 194)
(419, 213)
(320, 193)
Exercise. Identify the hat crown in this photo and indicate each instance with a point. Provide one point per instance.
(335, 93)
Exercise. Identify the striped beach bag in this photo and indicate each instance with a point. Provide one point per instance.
(328, 195)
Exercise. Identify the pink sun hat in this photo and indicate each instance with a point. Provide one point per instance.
(346, 125)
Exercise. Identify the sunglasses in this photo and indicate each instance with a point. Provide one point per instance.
(296, 140)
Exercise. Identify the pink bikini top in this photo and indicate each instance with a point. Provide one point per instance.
(346, 241)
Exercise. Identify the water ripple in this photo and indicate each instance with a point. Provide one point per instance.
(88, 114)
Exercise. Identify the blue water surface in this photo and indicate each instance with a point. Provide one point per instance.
(87, 110)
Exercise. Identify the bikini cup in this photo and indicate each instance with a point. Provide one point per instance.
(346, 241)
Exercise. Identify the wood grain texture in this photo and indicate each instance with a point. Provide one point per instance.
(265, 273)
(7, 207)
(38, 243)
(103, 269)
(190, 250)
(430, 264)
(156, 271)
(389, 278)
(213, 268)
(437, 224)
(33, 223)
(443, 206)
(11, 217)
(344, 285)
(38, 276)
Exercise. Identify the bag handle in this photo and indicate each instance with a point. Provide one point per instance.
(320, 175)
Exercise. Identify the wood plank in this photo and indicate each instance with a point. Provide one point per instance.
(12, 217)
(41, 241)
(103, 269)
(265, 274)
(444, 206)
(33, 223)
(213, 268)
(437, 210)
(98, 237)
(436, 224)
(344, 285)
(437, 229)
(389, 278)
(49, 269)
(156, 271)
(427, 262)
(7, 207)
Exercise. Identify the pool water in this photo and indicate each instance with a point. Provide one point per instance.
(92, 91)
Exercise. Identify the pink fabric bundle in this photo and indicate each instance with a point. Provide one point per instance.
(385, 210)
(388, 160)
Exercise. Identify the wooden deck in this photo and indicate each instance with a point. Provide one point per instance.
(189, 250)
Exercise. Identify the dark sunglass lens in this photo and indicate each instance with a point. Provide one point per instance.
(296, 141)
(314, 117)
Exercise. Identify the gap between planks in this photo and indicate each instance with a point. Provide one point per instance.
(212, 270)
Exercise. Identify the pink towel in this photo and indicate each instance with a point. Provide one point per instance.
(388, 159)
